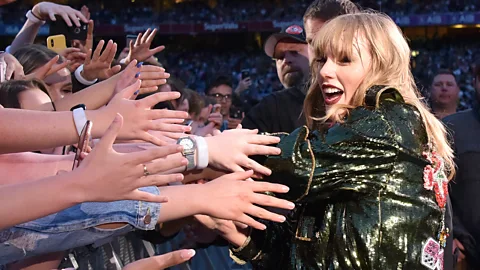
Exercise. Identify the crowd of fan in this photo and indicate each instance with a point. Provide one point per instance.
(195, 68)
(231, 11)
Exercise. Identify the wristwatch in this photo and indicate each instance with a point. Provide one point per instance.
(189, 148)
(79, 117)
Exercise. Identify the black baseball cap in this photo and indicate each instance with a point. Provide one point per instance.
(293, 32)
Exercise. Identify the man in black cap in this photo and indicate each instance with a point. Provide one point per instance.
(281, 111)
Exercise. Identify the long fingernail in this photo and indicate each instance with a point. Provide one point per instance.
(137, 75)
(187, 254)
(136, 92)
(139, 64)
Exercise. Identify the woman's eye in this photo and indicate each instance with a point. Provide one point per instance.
(345, 60)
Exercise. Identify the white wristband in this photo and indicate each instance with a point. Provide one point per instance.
(33, 18)
(80, 79)
(80, 119)
(202, 152)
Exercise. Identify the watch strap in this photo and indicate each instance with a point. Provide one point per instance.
(191, 161)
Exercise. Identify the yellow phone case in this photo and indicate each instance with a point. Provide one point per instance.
(56, 43)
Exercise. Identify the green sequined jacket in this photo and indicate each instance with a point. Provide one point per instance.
(359, 191)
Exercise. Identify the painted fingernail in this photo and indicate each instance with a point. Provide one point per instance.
(187, 254)
(139, 64)
(137, 75)
(136, 92)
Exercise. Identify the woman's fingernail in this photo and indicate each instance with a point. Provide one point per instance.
(137, 75)
(136, 92)
(291, 205)
(187, 254)
(281, 218)
(285, 188)
(139, 64)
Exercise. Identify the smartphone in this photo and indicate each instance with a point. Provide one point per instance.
(245, 74)
(75, 32)
(83, 143)
(236, 113)
(57, 43)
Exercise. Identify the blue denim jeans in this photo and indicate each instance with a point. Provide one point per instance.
(75, 227)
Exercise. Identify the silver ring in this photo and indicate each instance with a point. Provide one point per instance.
(145, 171)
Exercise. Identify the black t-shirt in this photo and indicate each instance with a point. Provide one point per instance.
(279, 112)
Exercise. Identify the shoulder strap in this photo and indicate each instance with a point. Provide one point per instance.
(378, 93)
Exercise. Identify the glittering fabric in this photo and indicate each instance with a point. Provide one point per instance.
(359, 191)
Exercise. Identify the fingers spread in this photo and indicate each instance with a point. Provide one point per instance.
(148, 155)
(152, 100)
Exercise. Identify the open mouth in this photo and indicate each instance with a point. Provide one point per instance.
(331, 95)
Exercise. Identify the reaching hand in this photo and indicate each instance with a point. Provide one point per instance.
(13, 67)
(243, 85)
(99, 65)
(151, 76)
(140, 50)
(162, 261)
(241, 144)
(111, 176)
(48, 69)
(139, 118)
(227, 229)
(47, 10)
(240, 200)
(85, 11)
(75, 57)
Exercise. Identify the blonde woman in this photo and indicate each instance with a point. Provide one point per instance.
(369, 175)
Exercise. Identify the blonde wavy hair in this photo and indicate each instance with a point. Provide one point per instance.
(390, 66)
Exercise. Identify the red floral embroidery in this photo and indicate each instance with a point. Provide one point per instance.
(435, 179)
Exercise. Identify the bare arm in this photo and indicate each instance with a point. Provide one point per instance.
(26, 35)
(16, 198)
(27, 166)
(93, 97)
(24, 130)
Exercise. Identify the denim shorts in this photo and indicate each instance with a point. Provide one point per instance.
(75, 227)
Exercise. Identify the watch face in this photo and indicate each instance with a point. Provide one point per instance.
(186, 143)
